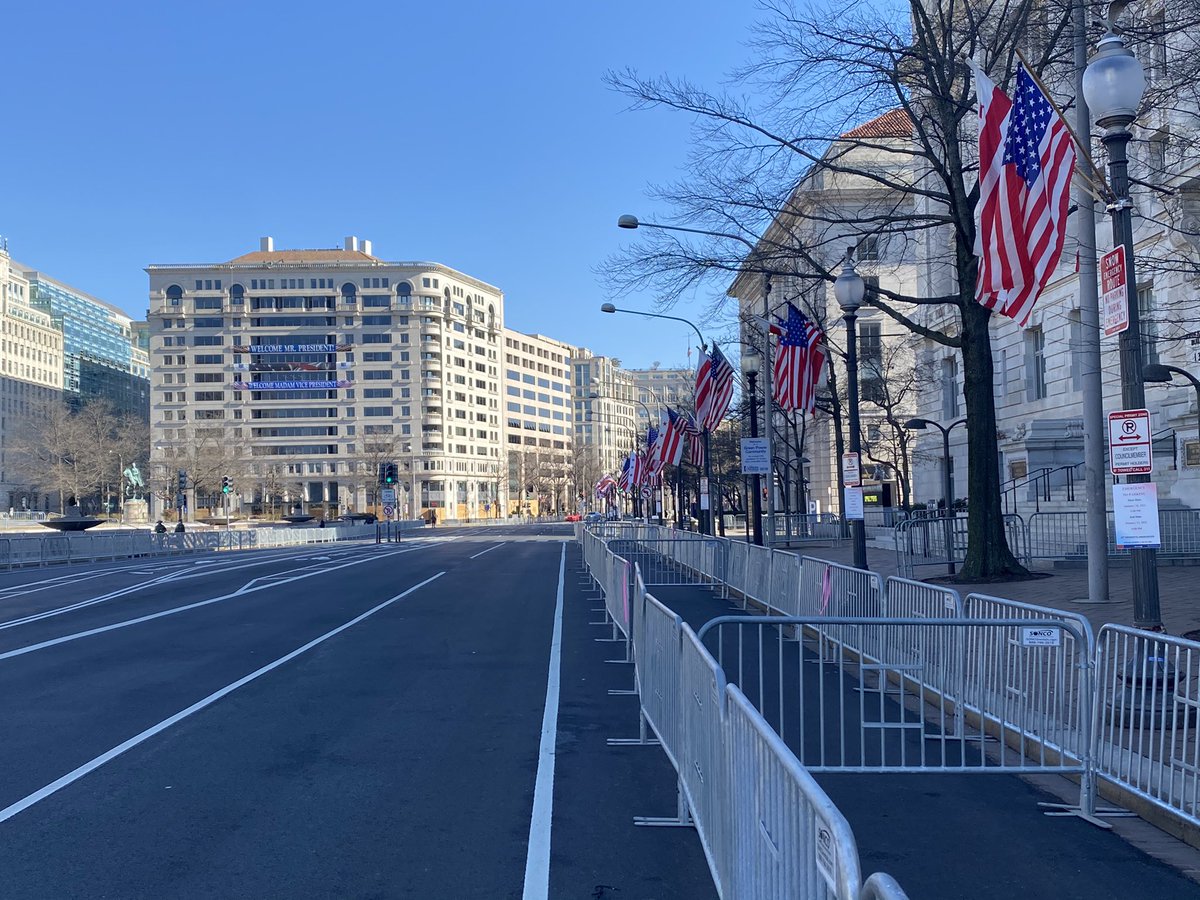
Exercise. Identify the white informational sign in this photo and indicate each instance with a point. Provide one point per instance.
(389, 511)
(755, 460)
(1129, 442)
(1135, 514)
(854, 503)
(388, 495)
(1040, 636)
(851, 471)
(826, 855)
(1114, 301)
(704, 504)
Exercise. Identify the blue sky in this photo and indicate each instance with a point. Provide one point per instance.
(479, 135)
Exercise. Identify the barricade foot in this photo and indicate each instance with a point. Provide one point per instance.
(663, 822)
(613, 692)
(634, 742)
(1092, 818)
(623, 662)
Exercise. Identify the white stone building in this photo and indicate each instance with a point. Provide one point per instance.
(298, 371)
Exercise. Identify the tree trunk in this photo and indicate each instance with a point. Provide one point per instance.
(988, 554)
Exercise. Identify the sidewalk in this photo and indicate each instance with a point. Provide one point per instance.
(1065, 589)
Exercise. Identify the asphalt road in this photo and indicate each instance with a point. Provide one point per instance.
(350, 720)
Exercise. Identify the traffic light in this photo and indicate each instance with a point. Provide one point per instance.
(389, 473)
(226, 484)
(182, 480)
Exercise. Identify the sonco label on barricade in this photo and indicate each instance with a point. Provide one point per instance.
(826, 854)
(1041, 636)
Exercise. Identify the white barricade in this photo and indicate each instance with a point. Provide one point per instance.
(658, 673)
(784, 592)
(787, 839)
(1146, 717)
(767, 828)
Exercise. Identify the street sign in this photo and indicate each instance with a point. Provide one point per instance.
(1129, 442)
(755, 460)
(1113, 297)
(851, 472)
(389, 511)
(388, 495)
(704, 502)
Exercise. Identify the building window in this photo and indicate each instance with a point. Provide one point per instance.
(949, 388)
(870, 348)
(1035, 363)
(1148, 324)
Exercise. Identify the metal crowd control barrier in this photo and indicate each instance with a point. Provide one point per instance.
(767, 829)
(48, 549)
(678, 560)
(1146, 718)
(940, 540)
(919, 694)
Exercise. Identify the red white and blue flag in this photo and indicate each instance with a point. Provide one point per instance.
(625, 480)
(670, 439)
(799, 362)
(695, 445)
(1026, 159)
(714, 388)
(605, 487)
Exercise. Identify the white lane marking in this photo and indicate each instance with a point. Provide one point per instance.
(489, 549)
(90, 766)
(172, 576)
(241, 592)
(537, 863)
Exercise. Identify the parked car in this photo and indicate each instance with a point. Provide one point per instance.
(593, 518)
(573, 517)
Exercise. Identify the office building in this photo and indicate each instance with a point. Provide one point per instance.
(300, 371)
(539, 437)
(605, 424)
(98, 346)
(31, 377)
(656, 387)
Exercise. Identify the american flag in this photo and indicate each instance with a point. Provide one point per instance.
(695, 446)
(799, 362)
(714, 388)
(1026, 158)
(605, 486)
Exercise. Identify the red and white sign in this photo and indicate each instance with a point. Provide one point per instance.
(851, 471)
(1114, 300)
(389, 511)
(1129, 442)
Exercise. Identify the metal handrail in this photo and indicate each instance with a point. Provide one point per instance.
(1041, 480)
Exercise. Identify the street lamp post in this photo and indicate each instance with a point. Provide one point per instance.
(628, 221)
(1157, 373)
(706, 518)
(750, 363)
(947, 484)
(849, 289)
(1113, 85)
